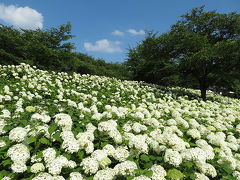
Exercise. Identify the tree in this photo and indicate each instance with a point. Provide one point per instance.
(202, 47)
(49, 49)
(206, 43)
(10, 46)
(153, 60)
(46, 49)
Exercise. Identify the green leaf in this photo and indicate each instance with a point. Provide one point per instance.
(104, 144)
(192, 144)
(159, 158)
(148, 165)
(45, 141)
(6, 162)
(8, 127)
(68, 156)
(192, 176)
(57, 136)
(144, 158)
(188, 164)
(148, 173)
(228, 178)
(175, 174)
(130, 177)
(80, 155)
(3, 173)
(31, 139)
(152, 157)
(226, 168)
(53, 126)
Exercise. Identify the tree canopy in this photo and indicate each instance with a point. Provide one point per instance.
(202, 47)
(50, 49)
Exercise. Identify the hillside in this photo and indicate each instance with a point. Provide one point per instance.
(60, 126)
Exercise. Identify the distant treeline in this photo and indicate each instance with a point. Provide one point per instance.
(50, 50)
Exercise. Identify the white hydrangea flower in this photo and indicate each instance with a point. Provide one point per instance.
(70, 144)
(126, 168)
(63, 120)
(90, 165)
(37, 167)
(137, 127)
(193, 123)
(207, 169)
(121, 154)
(18, 134)
(171, 122)
(105, 174)
(49, 155)
(5, 114)
(151, 122)
(110, 127)
(236, 174)
(138, 142)
(57, 178)
(158, 172)
(43, 176)
(238, 128)
(42, 117)
(199, 176)
(109, 149)
(18, 153)
(99, 154)
(174, 141)
(90, 128)
(85, 141)
(54, 167)
(71, 164)
(173, 157)
(194, 133)
(127, 127)
(2, 143)
(76, 176)
(181, 122)
(6, 178)
(2, 124)
(18, 167)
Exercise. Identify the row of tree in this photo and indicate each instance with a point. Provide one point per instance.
(202, 50)
(51, 50)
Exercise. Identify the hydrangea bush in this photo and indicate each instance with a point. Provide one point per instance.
(60, 126)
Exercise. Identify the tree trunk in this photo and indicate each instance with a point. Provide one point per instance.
(203, 88)
(203, 93)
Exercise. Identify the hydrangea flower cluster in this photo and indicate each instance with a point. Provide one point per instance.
(19, 154)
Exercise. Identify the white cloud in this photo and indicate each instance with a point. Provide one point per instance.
(22, 17)
(103, 45)
(134, 32)
(117, 33)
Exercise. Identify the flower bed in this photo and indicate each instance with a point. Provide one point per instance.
(60, 126)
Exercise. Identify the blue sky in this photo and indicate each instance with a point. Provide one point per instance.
(105, 28)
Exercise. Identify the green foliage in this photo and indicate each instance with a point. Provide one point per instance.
(52, 127)
(51, 50)
(45, 141)
(199, 51)
(174, 174)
